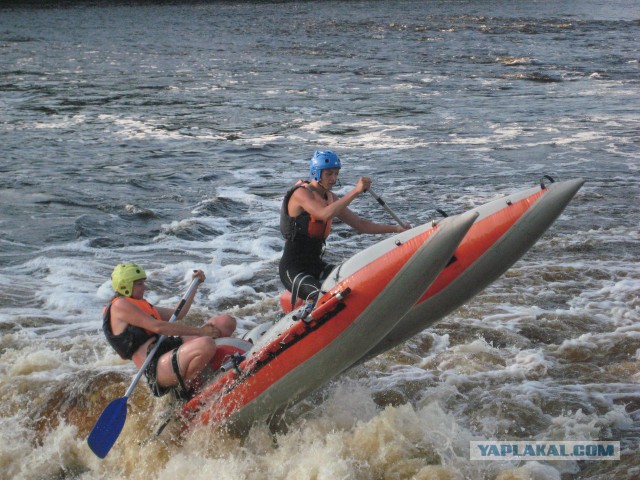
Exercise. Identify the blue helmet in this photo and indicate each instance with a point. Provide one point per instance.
(322, 160)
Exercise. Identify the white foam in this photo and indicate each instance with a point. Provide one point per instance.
(23, 457)
(129, 128)
(530, 363)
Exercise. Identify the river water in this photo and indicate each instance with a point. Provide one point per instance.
(167, 133)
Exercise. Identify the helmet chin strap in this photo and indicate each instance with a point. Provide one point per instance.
(337, 184)
(321, 184)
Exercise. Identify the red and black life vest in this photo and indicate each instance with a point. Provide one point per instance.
(304, 226)
(132, 338)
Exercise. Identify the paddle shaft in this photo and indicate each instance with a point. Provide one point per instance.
(161, 339)
(386, 207)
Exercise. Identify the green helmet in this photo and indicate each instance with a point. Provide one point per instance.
(123, 277)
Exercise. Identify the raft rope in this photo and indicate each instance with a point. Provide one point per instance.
(542, 185)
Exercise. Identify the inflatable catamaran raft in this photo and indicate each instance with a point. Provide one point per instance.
(304, 349)
(374, 301)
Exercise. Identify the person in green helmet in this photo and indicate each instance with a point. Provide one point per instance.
(132, 326)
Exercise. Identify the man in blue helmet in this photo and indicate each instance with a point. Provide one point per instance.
(305, 222)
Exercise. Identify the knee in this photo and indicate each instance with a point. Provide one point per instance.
(203, 346)
(226, 323)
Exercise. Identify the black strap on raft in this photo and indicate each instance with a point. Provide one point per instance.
(542, 185)
(234, 362)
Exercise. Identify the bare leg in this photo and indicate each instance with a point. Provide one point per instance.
(225, 323)
(193, 356)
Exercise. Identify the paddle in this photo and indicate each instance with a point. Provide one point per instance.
(386, 207)
(108, 427)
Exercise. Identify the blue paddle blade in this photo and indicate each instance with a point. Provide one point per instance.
(108, 427)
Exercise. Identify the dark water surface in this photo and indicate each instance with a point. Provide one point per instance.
(167, 134)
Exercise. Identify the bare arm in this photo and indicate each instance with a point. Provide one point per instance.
(365, 226)
(123, 311)
(303, 199)
(126, 312)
